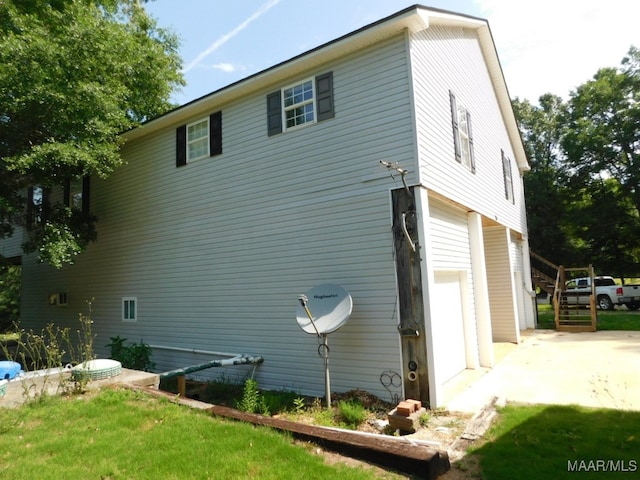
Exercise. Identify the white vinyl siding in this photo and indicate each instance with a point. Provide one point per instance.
(450, 59)
(218, 252)
(500, 280)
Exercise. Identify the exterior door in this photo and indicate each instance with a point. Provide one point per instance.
(448, 326)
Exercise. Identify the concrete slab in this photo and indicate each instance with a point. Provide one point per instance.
(594, 369)
(16, 389)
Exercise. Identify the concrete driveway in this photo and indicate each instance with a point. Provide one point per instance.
(600, 369)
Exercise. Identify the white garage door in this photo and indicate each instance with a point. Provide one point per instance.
(448, 326)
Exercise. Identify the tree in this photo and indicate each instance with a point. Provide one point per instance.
(601, 140)
(74, 74)
(540, 128)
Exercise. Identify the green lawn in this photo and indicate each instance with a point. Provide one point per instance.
(556, 442)
(618, 319)
(124, 434)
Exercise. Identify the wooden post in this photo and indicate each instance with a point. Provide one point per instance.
(182, 385)
(410, 302)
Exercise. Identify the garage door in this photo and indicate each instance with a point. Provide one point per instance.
(448, 326)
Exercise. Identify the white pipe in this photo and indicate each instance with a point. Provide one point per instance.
(194, 350)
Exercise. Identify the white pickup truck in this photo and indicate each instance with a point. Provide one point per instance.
(608, 293)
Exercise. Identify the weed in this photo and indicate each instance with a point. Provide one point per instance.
(425, 418)
(47, 352)
(252, 400)
(298, 405)
(352, 413)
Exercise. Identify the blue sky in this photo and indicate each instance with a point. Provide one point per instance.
(544, 46)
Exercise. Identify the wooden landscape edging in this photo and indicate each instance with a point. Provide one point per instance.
(412, 459)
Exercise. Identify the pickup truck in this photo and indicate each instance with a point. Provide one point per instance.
(608, 293)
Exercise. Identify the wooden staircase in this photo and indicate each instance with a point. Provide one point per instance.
(572, 312)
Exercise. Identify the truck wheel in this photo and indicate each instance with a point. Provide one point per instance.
(633, 306)
(605, 303)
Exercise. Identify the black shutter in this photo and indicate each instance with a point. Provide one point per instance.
(215, 133)
(324, 92)
(181, 146)
(504, 174)
(274, 113)
(472, 158)
(454, 122)
(86, 199)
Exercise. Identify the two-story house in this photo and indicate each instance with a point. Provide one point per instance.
(232, 205)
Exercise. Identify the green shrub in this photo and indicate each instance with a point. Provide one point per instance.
(135, 356)
(352, 413)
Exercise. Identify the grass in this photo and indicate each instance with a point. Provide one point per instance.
(123, 434)
(618, 319)
(539, 441)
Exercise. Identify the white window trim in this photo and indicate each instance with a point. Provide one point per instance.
(463, 137)
(508, 179)
(125, 301)
(284, 109)
(189, 142)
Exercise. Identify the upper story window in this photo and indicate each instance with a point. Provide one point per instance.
(199, 139)
(76, 194)
(462, 136)
(298, 104)
(37, 206)
(508, 178)
(305, 102)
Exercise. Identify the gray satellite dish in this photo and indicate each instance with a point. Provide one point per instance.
(323, 309)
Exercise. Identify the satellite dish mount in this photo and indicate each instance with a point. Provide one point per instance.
(322, 310)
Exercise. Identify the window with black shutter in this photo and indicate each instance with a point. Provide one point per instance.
(199, 139)
(303, 103)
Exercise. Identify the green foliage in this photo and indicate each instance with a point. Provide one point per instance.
(74, 75)
(583, 190)
(10, 292)
(135, 356)
(252, 400)
(352, 413)
(49, 350)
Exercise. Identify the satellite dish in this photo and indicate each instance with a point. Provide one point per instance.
(323, 309)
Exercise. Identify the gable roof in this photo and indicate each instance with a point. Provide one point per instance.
(413, 19)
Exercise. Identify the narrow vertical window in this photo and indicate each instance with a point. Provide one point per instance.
(129, 309)
(198, 140)
(462, 136)
(508, 178)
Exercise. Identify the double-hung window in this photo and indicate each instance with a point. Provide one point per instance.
(508, 178)
(462, 136)
(305, 102)
(76, 194)
(298, 104)
(200, 139)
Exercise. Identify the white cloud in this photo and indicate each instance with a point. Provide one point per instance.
(228, 36)
(225, 67)
(555, 45)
